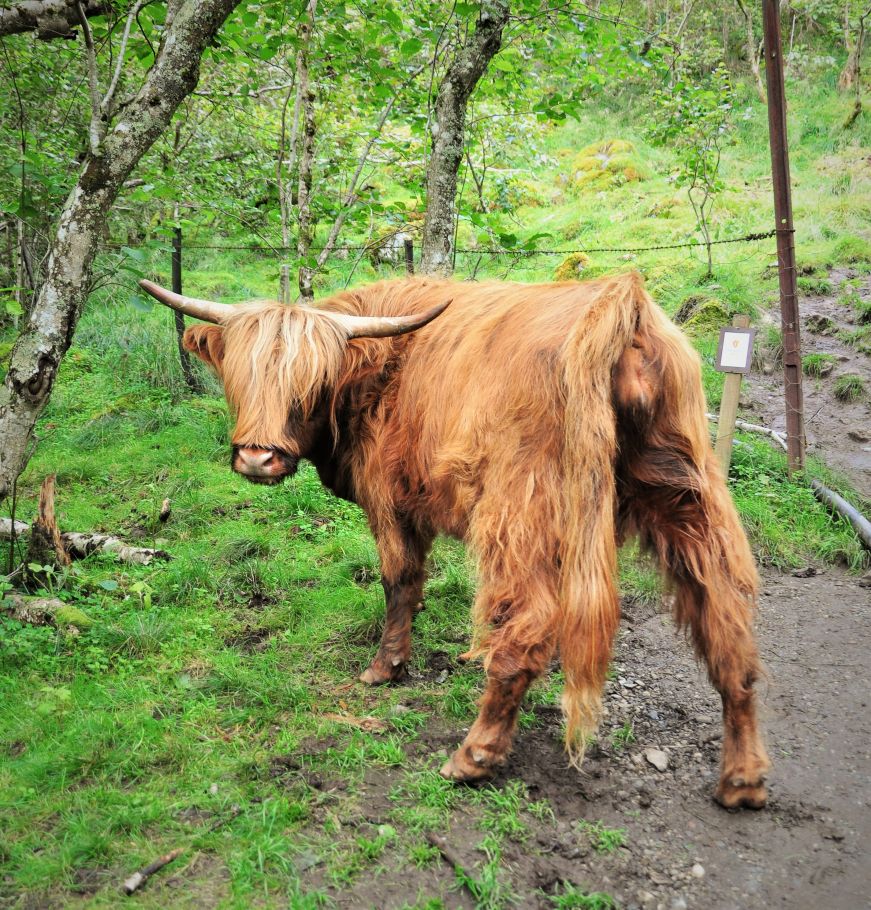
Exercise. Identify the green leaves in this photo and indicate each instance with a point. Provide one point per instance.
(140, 303)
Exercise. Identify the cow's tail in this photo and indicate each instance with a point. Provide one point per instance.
(620, 318)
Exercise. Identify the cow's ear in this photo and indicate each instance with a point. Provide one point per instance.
(207, 342)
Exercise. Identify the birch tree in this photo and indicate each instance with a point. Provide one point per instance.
(447, 133)
(119, 134)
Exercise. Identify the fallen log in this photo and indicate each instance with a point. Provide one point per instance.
(828, 497)
(79, 545)
(860, 524)
(43, 611)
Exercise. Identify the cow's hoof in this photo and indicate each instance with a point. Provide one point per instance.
(378, 673)
(468, 765)
(735, 793)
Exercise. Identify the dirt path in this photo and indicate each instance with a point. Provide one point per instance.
(808, 849)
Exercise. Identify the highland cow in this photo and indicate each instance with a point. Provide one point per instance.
(541, 424)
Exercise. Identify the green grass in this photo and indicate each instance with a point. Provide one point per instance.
(849, 387)
(603, 838)
(623, 736)
(818, 365)
(572, 898)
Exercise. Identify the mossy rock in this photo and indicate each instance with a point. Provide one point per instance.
(68, 615)
(572, 267)
(602, 165)
(388, 248)
(660, 278)
(852, 250)
(701, 315)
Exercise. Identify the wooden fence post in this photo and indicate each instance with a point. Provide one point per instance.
(409, 256)
(729, 406)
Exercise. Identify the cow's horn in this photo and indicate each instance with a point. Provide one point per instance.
(384, 326)
(207, 310)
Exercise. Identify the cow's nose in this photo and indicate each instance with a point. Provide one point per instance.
(257, 461)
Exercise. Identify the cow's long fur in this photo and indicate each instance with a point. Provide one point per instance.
(540, 423)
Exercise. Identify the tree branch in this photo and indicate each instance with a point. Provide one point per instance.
(106, 103)
(94, 127)
(351, 195)
(49, 18)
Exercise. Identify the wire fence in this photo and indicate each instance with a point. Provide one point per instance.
(476, 251)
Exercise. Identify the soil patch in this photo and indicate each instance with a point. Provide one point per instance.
(806, 850)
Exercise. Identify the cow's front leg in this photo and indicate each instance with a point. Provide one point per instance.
(511, 671)
(402, 576)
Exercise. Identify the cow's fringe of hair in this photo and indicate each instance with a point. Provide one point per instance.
(279, 359)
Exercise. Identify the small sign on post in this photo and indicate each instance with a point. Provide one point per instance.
(734, 357)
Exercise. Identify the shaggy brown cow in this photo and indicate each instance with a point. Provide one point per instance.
(542, 424)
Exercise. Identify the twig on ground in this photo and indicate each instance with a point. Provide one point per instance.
(755, 428)
(449, 855)
(138, 879)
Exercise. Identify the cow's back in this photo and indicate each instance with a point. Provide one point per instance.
(478, 407)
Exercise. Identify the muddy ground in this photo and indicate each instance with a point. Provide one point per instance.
(837, 432)
(808, 849)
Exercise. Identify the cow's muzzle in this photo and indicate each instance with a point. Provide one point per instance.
(263, 465)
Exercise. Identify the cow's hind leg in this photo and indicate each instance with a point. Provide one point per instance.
(701, 545)
(519, 647)
(402, 552)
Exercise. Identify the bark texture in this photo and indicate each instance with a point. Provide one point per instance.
(850, 76)
(52, 320)
(48, 18)
(447, 134)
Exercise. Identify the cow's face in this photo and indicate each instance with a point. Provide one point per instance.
(278, 371)
(280, 366)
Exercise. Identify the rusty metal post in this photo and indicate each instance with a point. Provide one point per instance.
(795, 438)
(409, 256)
(190, 378)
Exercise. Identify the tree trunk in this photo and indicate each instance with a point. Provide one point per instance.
(753, 51)
(305, 230)
(447, 134)
(52, 320)
(49, 18)
(850, 74)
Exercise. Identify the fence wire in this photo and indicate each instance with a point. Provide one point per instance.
(479, 251)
